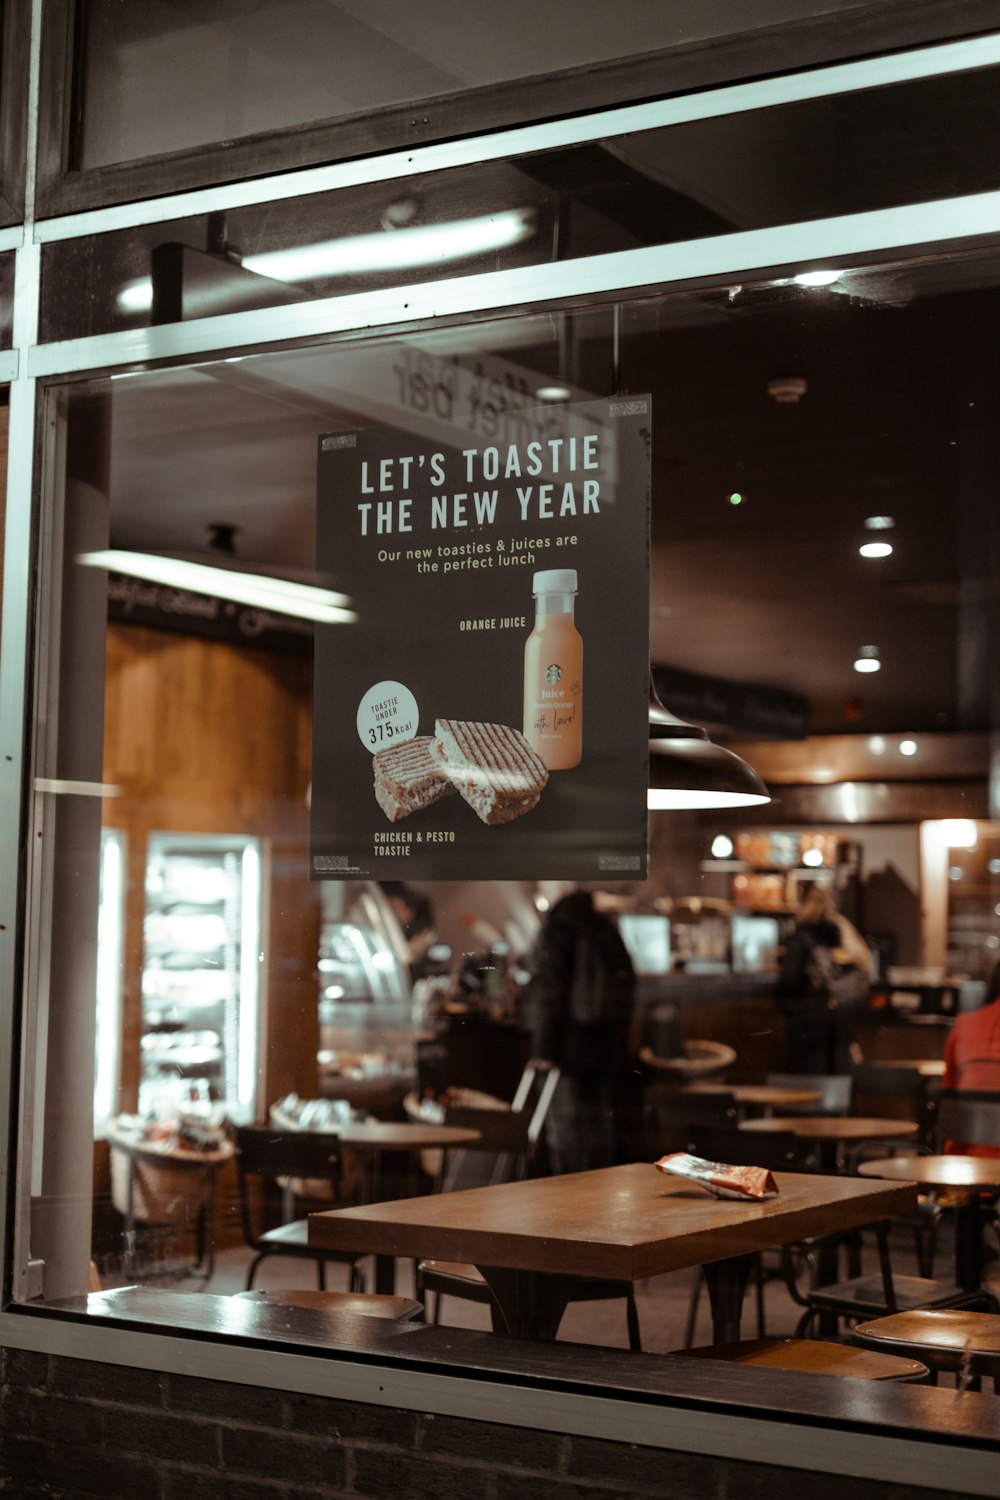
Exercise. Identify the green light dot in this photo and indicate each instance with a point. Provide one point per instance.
(736, 498)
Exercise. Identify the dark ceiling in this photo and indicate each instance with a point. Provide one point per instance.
(899, 418)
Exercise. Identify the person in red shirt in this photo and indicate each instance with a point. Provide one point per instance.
(972, 1056)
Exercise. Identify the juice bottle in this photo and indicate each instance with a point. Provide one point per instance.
(553, 673)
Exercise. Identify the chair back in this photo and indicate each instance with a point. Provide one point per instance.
(970, 1117)
(835, 1091)
(777, 1150)
(508, 1138)
(880, 1089)
(672, 1114)
(266, 1155)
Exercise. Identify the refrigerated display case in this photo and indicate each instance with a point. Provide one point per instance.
(201, 978)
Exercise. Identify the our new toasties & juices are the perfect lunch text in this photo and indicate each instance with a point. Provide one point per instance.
(553, 673)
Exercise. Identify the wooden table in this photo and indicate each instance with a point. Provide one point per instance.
(533, 1240)
(830, 1132)
(927, 1067)
(968, 1179)
(764, 1096)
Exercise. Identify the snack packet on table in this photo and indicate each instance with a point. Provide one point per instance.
(751, 1184)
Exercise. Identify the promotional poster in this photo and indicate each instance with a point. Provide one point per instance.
(485, 715)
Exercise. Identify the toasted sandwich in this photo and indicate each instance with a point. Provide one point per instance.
(492, 766)
(408, 777)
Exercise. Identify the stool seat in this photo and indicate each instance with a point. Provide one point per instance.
(813, 1357)
(364, 1304)
(943, 1338)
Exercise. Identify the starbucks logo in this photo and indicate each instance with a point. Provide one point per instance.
(553, 673)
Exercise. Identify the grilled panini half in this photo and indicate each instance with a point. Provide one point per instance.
(492, 766)
(408, 777)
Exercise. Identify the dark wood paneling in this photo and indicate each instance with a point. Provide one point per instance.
(204, 737)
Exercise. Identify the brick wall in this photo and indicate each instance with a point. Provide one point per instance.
(75, 1430)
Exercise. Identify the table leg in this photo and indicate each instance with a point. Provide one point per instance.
(531, 1305)
(726, 1281)
(968, 1245)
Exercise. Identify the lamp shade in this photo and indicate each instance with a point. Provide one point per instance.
(686, 770)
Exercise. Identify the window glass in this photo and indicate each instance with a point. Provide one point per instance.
(6, 299)
(165, 77)
(793, 426)
(841, 155)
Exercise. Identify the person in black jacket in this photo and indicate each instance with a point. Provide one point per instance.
(579, 1007)
(822, 984)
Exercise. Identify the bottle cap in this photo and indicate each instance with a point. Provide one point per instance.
(555, 581)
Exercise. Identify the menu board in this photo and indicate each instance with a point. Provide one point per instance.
(485, 714)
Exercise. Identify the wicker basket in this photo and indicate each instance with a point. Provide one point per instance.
(162, 1193)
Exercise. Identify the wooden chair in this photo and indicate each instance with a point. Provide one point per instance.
(672, 1114)
(835, 1091)
(813, 1357)
(778, 1152)
(953, 1339)
(968, 1116)
(867, 1296)
(364, 1304)
(505, 1150)
(266, 1156)
(901, 1092)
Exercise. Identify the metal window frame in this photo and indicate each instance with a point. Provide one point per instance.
(870, 27)
(959, 223)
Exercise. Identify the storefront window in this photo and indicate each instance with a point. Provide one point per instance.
(704, 178)
(789, 425)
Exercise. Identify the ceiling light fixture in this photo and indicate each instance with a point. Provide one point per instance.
(959, 833)
(553, 393)
(687, 771)
(816, 278)
(279, 596)
(875, 549)
(868, 660)
(907, 747)
(879, 523)
(385, 250)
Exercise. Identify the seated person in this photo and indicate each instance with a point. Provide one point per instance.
(972, 1056)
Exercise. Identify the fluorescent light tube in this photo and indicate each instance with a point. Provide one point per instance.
(279, 595)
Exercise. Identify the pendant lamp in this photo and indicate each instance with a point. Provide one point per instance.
(687, 771)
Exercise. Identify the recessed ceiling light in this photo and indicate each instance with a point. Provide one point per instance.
(553, 393)
(879, 523)
(816, 278)
(876, 745)
(875, 549)
(907, 747)
(868, 660)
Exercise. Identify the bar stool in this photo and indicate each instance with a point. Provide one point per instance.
(813, 1357)
(945, 1339)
